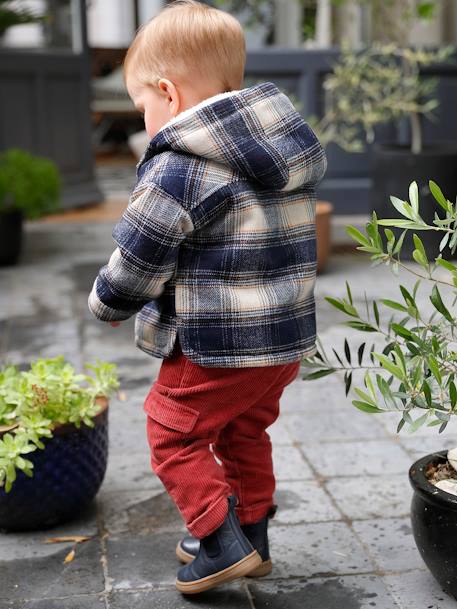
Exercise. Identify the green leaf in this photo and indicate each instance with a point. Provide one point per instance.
(348, 290)
(419, 422)
(376, 312)
(447, 265)
(394, 305)
(438, 195)
(402, 207)
(444, 241)
(389, 365)
(360, 353)
(399, 244)
(439, 305)
(401, 330)
(419, 254)
(453, 394)
(342, 306)
(318, 374)
(347, 382)
(403, 224)
(338, 357)
(357, 235)
(433, 365)
(366, 407)
(362, 326)
(414, 197)
(347, 351)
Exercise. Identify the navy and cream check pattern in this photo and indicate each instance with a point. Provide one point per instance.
(218, 242)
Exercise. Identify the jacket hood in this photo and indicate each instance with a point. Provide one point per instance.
(255, 131)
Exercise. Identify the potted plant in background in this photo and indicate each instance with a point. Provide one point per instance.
(29, 188)
(417, 369)
(53, 441)
(381, 85)
(12, 13)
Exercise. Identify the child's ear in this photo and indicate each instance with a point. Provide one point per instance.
(173, 96)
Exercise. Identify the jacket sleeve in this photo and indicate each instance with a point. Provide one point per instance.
(148, 236)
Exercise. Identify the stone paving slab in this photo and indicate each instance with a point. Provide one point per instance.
(289, 464)
(418, 589)
(303, 501)
(355, 458)
(348, 592)
(48, 576)
(372, 496)
(223, 597)
(316, 549)
(141, 512)
(142, 561)
(82, 601)
(390, 542)
(331, 426)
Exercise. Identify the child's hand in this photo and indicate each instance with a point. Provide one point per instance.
(114, 324)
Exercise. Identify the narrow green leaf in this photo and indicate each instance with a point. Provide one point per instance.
(366, 407)
(453, 394)
(357, 235)
(401, 330)
(376, 312)
(439, 305)
(402, 207)
(433, 365)
(418, 422)
(403, 224)
(444, 241)
(347, 351)
(362, 326)
(348, 381)
(342, 306)
(447, 265)
(414, 197)
(438, 195)
(318, 374)
(399, 244)
(394, 305)
(389, 365)
(337, 356)
(360, 353)
(348, 290)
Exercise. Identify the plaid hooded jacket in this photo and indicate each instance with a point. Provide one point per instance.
(218, 241)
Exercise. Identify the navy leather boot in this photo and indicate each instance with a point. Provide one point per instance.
(224, 555)
(257, 533)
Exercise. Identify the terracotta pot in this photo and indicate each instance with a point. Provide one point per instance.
(323, 233)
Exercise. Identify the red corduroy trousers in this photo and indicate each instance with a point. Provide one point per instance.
(195, 413)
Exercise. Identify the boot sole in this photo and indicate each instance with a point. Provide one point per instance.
(239, 569)
(263, 569)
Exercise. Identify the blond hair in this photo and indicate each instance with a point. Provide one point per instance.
(189, 40)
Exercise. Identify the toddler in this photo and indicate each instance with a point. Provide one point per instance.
(216, 253)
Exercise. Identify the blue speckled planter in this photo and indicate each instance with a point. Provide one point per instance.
(434, 523)
(67, 475)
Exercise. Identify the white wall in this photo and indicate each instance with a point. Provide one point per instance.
(149, 9)
(110, 23)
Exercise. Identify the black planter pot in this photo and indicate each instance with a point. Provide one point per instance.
(67, 474)
(394, 168)
(434, 523)
(11, 230)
